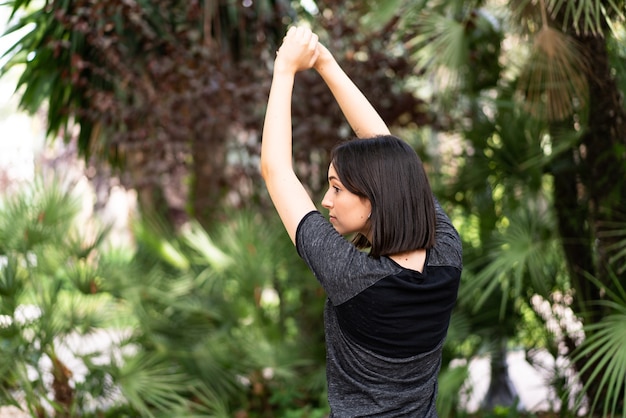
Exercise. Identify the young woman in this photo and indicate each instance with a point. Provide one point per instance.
(392, 289)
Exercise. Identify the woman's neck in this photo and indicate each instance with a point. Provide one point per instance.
(412, 260)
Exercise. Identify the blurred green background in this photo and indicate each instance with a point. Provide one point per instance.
(144, 272)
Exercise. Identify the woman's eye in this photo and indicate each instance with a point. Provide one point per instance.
(336, 189)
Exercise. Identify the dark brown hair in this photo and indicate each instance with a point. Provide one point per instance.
(388, 172)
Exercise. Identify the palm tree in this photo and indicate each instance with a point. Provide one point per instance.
(172, 92)
(197, 324)
(50, 288)
(159, 89)
(226, 308)
(533, 91)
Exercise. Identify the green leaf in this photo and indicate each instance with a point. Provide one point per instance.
(148, 381)
(12, 282)
(603, 352)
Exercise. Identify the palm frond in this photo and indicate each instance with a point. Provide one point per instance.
(616, 233)
(587, 17)
(603, 351)
(42, 212)
(439, 47)
(157, 243)
(553, 82)
(84, 276)
(82, 314)
(381, 12)
(83, 241)
(607, 358)
(460, 327)
(198, 239)
(147, 381)
(13, 279)
(451, 381)
(216, 360)
(523, 255)
(524, 14)
(202, 404)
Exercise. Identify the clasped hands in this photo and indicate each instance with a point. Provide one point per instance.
(300, 51)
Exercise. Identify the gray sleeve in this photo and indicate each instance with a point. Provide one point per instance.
(340, 267)
(448, 249)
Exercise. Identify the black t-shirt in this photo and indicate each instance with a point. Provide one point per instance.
(385, 325)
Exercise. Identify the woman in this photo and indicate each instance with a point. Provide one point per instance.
(388, 309)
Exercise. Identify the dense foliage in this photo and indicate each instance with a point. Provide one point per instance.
(198, 324)
(517, 108)
(535, 90)
(172, 92)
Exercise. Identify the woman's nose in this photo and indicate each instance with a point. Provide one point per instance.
(326, 201)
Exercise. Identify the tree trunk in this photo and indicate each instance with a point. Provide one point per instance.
(502, 391)
(605, 148)
(589, 192)
(209, 184)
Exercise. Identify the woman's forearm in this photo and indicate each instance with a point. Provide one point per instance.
(289, 196)
(276, 144)
(358, 111)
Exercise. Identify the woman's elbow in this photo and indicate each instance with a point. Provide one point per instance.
(273, 173)
(265, 168)
(270, 171)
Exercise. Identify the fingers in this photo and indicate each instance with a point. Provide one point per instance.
(301, 35)
(313, 39)
(307, 41)
(299, 50)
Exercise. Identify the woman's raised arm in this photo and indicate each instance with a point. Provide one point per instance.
(358, 111)
(298, 52)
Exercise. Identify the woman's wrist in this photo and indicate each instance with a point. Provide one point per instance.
(325, 64)
(331, 72)
(281, 71)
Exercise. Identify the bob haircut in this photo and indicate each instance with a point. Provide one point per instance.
(388, 172)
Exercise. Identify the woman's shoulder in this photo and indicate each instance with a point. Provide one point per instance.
(448, 249)
(342, 269)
